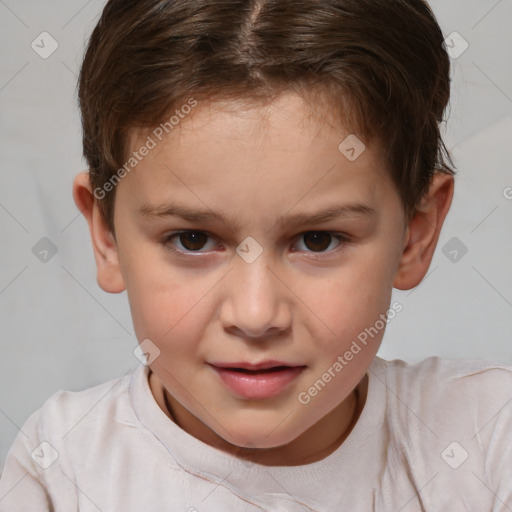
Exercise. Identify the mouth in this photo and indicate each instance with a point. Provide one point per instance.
(268, 364)
(257, 381)
(258, 372)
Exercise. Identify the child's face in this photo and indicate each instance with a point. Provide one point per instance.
(303, 301)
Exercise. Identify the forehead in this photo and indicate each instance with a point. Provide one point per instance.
(237, 154)
(314, 109)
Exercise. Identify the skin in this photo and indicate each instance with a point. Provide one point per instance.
(301, 301)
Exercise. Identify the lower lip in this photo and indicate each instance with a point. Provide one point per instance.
(256, 386)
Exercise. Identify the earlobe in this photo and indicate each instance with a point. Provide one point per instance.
(109, 274)
(423, 231)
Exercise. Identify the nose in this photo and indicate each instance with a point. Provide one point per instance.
(257, 302)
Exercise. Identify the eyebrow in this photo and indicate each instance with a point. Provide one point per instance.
(193, 215)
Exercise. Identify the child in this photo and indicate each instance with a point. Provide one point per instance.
(224, 139)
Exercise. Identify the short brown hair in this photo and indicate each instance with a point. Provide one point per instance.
(382, 62)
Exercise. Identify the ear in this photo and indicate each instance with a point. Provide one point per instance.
(109, 275)
(422, 233)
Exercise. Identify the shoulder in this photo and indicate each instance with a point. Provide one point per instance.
(449, 389)
(433, 402)
(449, 423)
(68, 415)
(435, 376)
(67, 410)
(56, 440)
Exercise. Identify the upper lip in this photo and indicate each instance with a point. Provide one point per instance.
(263, 365)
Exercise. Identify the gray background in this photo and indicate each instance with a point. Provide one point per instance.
(59, 330)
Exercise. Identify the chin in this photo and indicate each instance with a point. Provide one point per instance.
(259, 435)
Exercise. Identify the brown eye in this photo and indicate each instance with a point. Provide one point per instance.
(317, 240)
(192, 240)
(187, 241)
(319, 244)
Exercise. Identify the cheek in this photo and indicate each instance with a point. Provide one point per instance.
(167, 307)
(352, 299)
(348, 336)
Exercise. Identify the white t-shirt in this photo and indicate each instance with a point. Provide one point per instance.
(434, 436)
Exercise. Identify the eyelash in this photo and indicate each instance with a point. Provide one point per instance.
(342, 238)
